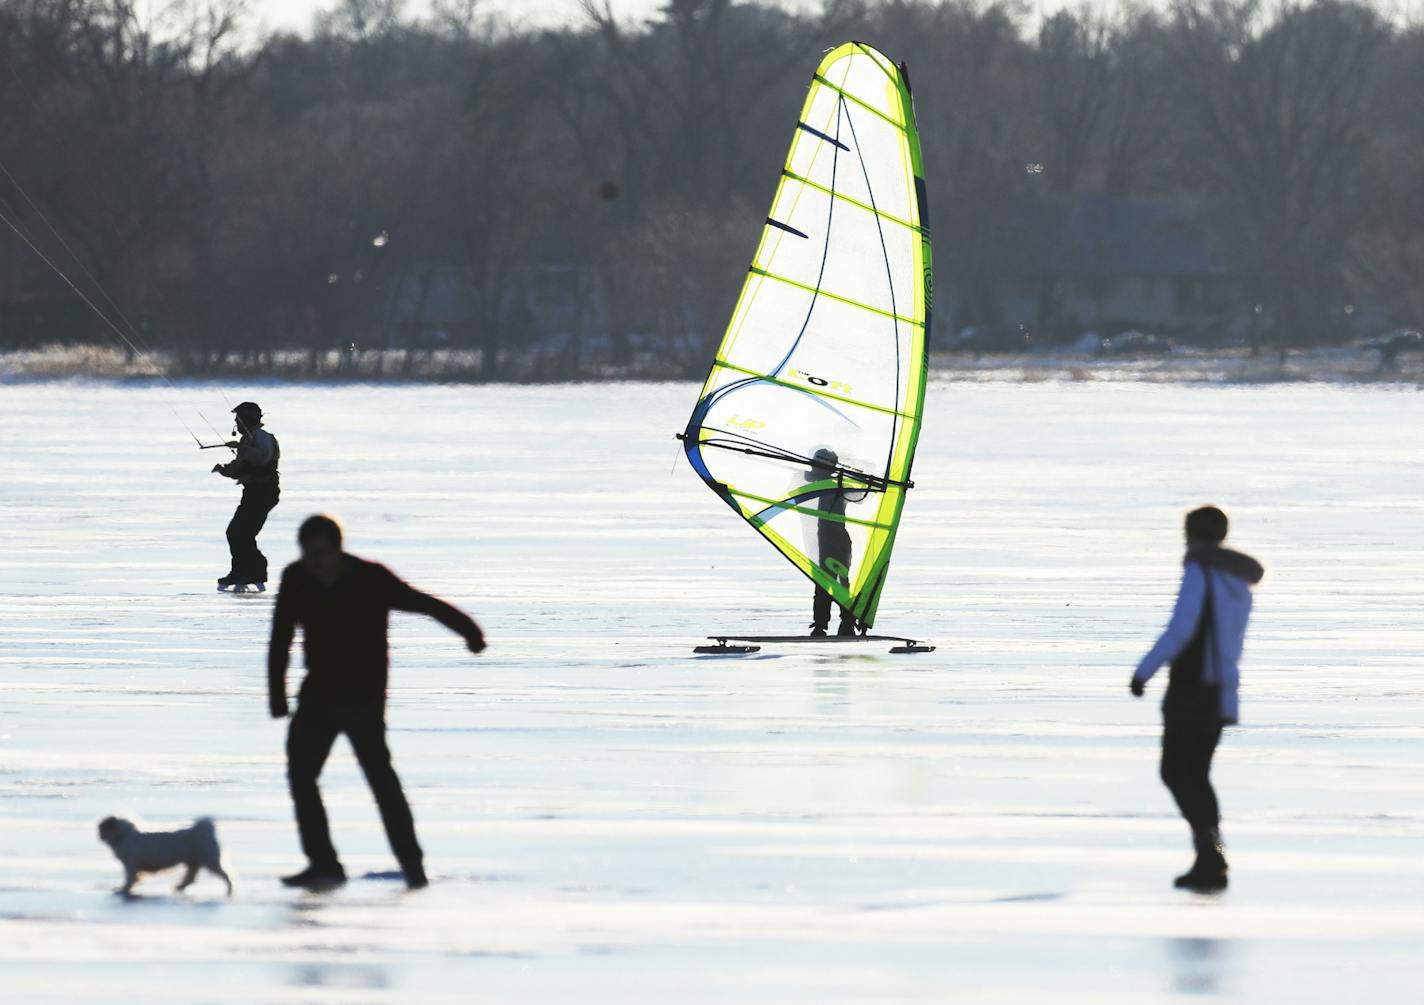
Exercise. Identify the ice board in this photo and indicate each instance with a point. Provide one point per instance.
(742, 644)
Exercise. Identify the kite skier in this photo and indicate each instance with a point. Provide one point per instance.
(833, 544)
(254, 467)
(1203, 644)
(343, 605)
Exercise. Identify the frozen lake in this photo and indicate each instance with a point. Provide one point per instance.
(609, 818)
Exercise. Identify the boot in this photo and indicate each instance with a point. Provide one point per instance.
(315, 877)
(415, 878)
(1208, 872)
(847, 629)
(818, 631)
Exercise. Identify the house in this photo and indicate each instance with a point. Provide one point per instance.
(1082, 261)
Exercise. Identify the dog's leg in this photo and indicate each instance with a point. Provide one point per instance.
(217, 869)
(188, 877)
(130, 878)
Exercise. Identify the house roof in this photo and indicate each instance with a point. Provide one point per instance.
(1111, 236)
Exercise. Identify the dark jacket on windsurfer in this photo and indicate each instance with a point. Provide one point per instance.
(833, 543)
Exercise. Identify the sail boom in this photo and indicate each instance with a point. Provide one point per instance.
(861, 481)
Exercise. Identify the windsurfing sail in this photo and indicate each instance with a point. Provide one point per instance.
(808, 422)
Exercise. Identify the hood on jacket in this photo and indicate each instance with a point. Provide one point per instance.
(1233, 563)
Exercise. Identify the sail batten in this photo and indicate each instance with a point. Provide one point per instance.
(851, 97)
(819, 393)
(855, 202)
(807, 424)
(833, 296)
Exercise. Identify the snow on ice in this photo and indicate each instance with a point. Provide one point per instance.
(610, 818)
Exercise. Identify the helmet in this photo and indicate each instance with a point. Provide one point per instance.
(823, 463)
(248, 411)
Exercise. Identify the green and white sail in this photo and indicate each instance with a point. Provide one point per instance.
(808, 422)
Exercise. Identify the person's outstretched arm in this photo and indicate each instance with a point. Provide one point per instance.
(1185, 617)
(404, 597)
(279, 650)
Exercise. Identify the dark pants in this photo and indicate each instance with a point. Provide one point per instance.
(249, 565)
(1187, 749)
(314, 729)
(821, 610)
(835, 562)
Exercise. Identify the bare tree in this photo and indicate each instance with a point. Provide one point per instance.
(244, 193)
(1075, 74)
(1280, 111)
(976, 113)
(1388, 257)
(1141, 123)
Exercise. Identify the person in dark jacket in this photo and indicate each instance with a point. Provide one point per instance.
(342, 604)
(1203, 644)
(254, 467)
(833, 544)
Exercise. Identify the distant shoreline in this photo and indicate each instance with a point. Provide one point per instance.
(1333, 365)
(1343, 365)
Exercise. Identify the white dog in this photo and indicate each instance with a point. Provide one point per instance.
(142, 852)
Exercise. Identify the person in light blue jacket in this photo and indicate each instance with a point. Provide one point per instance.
(1202, 644)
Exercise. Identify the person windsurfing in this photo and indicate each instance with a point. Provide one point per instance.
(254, 467)
(1203, 644)
(833, 544)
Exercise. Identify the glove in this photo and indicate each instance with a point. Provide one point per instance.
(476, 643)
(279, 709)
(1137, 687)
(217, 469)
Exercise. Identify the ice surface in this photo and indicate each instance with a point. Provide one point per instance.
(609, 818)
